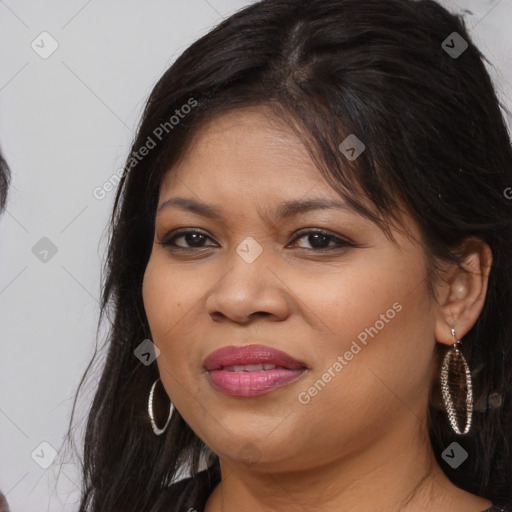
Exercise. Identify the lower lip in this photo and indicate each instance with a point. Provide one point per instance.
(256, 383)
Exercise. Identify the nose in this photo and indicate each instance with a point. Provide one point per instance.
(249, 291)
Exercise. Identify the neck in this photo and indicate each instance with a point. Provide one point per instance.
(396, 473)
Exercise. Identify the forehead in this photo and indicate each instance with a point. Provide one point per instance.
(250, 159)
(248, 149)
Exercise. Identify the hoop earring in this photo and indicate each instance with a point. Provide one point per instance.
(453, 368)
(156, 430)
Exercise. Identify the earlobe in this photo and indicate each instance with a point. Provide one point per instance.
(461, 291)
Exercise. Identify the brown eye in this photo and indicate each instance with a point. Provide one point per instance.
(192, 237)
(320, 240)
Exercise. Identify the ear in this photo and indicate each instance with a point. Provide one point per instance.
(461, 290)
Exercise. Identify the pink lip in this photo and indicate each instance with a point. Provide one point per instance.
(251, 383)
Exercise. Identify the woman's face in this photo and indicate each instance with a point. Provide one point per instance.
(356, 316)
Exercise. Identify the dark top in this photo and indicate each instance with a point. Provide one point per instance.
(191, 494)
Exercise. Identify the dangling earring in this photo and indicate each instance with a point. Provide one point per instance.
(453, 370)
(156, 430)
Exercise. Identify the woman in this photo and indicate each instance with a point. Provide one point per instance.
(312, 230)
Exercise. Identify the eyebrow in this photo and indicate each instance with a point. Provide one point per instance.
(284, 210)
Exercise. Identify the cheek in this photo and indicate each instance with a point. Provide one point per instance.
(378, 338)
(167, 297)
(352, 304)
(164, 305)
(379, 363)
(170, 303)
(152, 288)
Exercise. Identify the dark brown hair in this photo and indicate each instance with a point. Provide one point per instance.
(5, 177)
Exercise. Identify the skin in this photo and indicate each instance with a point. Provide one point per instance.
(361, 442)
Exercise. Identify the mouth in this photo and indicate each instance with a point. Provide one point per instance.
(251, 370)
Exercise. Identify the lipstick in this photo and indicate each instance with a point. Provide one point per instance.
(251, 370)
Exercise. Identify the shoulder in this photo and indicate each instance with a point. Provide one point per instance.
(189, 494)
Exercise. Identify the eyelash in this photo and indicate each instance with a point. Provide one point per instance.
(341, 243)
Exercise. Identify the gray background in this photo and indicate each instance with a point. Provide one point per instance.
(66, 122)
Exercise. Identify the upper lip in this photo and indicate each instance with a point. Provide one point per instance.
(250, 354)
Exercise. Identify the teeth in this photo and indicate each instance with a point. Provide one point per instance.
(249, 367)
